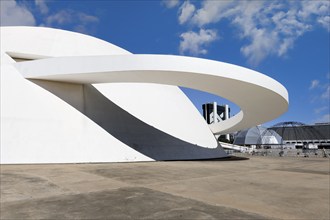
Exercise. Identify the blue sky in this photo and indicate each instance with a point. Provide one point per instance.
(286, 40)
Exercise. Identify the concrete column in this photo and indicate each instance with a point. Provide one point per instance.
(215, 112)
(227, 117)
(226, 112)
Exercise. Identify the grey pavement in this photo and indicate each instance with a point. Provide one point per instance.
(258, 188)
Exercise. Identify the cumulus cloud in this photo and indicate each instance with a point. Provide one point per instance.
(321, 109)
(320, 92)
(85, 18)
(12, 13)
(325, 22)
(266, 27)
(323, 89)
(211, 12)
(67, 16)
(186, 11)
(194, 42)
(315, 83)
(259, 47)
(271, 28)
(323, 119)
(81, 22)
(42, 6)
(16, 13)
(326, 93)
(170, 3)
(309, 8)
(61, 17)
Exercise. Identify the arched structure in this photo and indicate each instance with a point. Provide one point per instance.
(258, 136)
(68, 97)
(301, 135)
(297, 131)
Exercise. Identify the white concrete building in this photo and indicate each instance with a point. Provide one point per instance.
(71, 98)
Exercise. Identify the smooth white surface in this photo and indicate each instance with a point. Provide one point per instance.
(41, 42)
(48, 42)
(39, 127)
(260, 97)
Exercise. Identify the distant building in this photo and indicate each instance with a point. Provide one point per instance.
(302, 135)
(258, 136)
(214, 113)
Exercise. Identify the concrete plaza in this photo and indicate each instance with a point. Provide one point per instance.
(258, 188)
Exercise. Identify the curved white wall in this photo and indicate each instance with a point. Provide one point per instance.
(38, 126)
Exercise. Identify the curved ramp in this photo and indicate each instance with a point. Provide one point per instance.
(260, 98)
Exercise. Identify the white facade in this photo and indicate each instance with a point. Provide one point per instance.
(81, 99)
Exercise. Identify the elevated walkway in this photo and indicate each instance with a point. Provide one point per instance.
(235, 147)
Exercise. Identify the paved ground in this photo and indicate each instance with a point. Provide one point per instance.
(259, 188)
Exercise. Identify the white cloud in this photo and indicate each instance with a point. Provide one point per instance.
(321, 96)
(81, 22)
(267, 27)
(259, 47)
(314, 7)
(18, 14)
(67, 16)
(186, 11)
(321, 109)
(12, 14)
(61, 17)
(323, 118)
(326, 93)
(325, 22)
(42, 6)
(85, 18)
(193, 43)
(315, 83)
(211, 12)
(324, 98)
(170, 3)
(285, 45)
